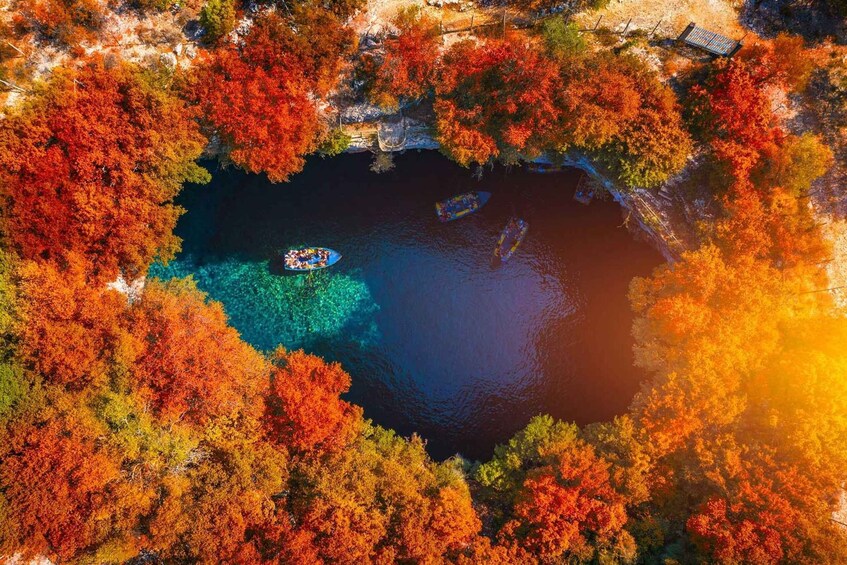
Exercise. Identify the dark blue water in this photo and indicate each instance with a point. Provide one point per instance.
(437, 340)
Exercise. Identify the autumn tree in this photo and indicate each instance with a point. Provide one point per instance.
(615, 108)
(782, 61)
(64, 21)
(383, 500)
(570, 509)
(318, 42)
(764, 169)
(700, 325)
(794, 165)
(221, 507)
(304, 411)
(495, 100)
(57, 482)
(740, 355)
(193, 366)
(406, 71)
(91, 165)
(598, 102)
(654, 146)
(258, 96)
(733, 113)
(763, 511)
(732, 108)
(555, 495)
(67, 327)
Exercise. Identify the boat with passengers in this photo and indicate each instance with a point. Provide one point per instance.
(310, 259)
(461, 205)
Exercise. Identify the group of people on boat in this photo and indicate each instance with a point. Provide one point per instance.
(307, 259)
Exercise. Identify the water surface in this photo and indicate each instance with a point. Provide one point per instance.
(437, 340)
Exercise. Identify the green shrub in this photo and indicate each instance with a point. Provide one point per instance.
(218, 18)
(562, 39)
(335, 143)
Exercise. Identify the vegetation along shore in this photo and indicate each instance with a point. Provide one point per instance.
(137, 426)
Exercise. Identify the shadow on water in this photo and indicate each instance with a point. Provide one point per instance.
(438, 339)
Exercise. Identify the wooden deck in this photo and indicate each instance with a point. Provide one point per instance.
(709, 41)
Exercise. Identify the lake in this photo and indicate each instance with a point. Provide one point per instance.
(437, 339)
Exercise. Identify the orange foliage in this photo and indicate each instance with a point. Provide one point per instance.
(408, 67)
(193, 365)
(91, 165)
(221, 508)
(258, 96)
(495, 99)
(775, 225)
(701, 326)
(67, 326)
(599, 100)
(152, 425)
(781, 61)
(569, 509)
(744, 439)
(318, 46)
(304, 409)
(58, 480)
(382, 500)
(66, 21)
(483, 551)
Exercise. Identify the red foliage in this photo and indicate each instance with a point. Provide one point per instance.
(735, 112)
(762, 217)
(730, 539)
(193, 364)
(304, 411)
(765, 517)
(57, 478)
(568, 508)
(259, 96)
(410, 62)
(91, 166)
(494, 100)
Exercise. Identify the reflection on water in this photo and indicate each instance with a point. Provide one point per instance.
(438, 340)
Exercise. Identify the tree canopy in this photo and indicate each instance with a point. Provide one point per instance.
(94, 136)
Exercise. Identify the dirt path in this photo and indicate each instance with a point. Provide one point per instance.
(671, 15)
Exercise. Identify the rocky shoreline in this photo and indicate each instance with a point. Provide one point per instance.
(641, 205)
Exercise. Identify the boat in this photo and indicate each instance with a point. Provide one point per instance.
(584, 190)
(461, 205)
(510, 238)
(583, 195)
(543, 168)
(309, 259)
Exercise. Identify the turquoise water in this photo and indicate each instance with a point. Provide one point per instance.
(270, 310)
(438, 339)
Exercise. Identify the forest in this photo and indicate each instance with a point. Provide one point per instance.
(141, 428)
